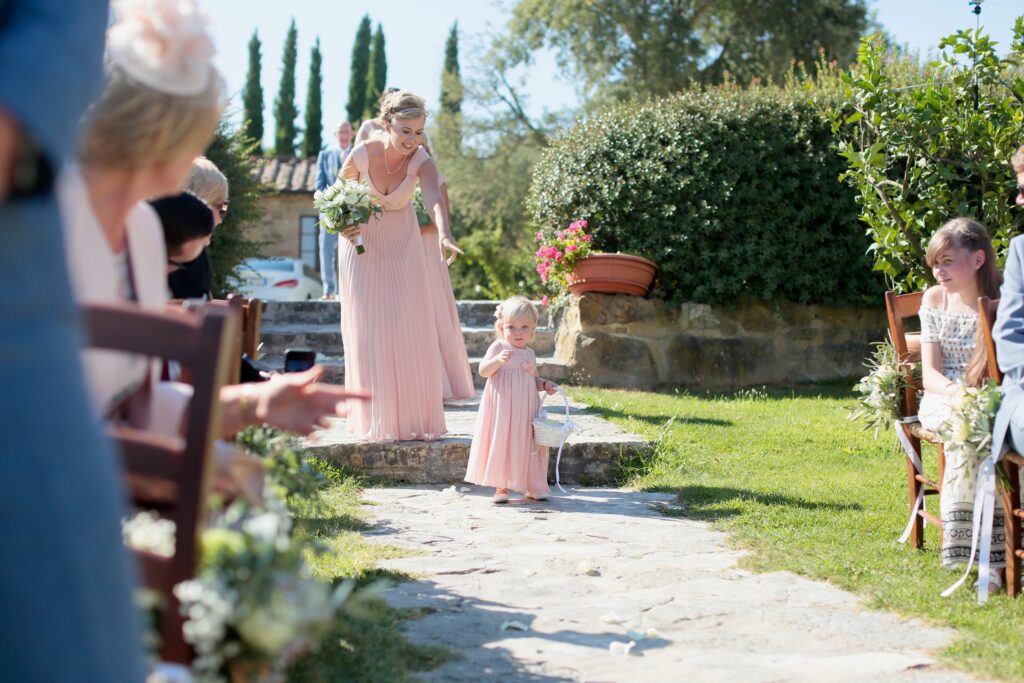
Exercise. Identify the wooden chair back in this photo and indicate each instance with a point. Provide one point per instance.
(172, 475)
(987, 318)
(250, 315)
(1010, 464)
(899, 307)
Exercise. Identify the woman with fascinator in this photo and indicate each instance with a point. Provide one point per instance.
(387, 310)
(157, 112)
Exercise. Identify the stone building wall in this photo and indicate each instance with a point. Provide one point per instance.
(626, 341)
(280, 226)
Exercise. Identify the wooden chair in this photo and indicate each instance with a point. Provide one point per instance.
(1010, 463)
(172, 475)
(252, 315)
(248, 338)
(900, 307)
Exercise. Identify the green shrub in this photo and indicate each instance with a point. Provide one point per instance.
(922, 153)
(732, 192)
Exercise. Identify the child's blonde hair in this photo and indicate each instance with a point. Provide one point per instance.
(510, 309)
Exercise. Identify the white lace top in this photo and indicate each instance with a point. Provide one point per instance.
(954, 332)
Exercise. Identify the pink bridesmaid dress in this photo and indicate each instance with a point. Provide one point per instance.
(457, 378)
(503, 453)
(387, 321)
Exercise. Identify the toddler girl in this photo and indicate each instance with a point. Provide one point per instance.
(504, 454)
(960, 255)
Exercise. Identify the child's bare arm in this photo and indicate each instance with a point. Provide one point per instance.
(491, 364)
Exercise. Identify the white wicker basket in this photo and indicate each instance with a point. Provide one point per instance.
(549, 431)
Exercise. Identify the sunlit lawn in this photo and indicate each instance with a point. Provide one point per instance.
(365, 645)
(805, 490)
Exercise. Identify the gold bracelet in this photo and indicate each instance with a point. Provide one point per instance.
(247, 405)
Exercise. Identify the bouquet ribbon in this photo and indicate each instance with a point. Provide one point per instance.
(983, 519)
(915, 460)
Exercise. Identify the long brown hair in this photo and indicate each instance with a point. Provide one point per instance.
(971, 235)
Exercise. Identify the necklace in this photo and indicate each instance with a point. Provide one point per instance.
(387, 167)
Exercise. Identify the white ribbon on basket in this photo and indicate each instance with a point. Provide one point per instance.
(567, 427)
(915, 460)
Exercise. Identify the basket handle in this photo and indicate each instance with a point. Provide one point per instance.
(565, 400)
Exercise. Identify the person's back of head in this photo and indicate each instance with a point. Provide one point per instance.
(187, 222)
(207, 182)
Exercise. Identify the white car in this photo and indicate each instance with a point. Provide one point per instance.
(279, 279)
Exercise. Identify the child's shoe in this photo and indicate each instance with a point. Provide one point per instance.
(500, 496)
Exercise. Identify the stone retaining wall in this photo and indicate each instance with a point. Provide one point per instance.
(626, 341)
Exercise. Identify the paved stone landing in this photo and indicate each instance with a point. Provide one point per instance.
(590, 457)
(557, 591)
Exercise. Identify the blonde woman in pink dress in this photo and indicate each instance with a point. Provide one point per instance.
(456, 377)
(504, 454)
(387, 310)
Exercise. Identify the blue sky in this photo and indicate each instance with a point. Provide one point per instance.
(416, 30)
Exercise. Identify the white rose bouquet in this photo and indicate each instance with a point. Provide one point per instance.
(345, 203)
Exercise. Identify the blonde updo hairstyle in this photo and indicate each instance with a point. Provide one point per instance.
(513, 308)
(207, 182)
(402, 104)
(132, 126)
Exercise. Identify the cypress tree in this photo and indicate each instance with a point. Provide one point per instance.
(313, 140)
(357, 76)
(377, 78)
(449, 118)
(284, 106)
(252, 95)
(451, 82)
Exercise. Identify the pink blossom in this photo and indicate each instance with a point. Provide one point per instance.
(586, 238)
(544, 277)
(540, 236)
(582, 224)
(544, 300)
(571, 248)
(561, 234)
(558, 255)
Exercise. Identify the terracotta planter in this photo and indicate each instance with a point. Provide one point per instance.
(612, 274)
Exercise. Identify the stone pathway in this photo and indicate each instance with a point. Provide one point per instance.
(590, 572)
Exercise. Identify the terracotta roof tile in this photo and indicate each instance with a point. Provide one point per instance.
(287, 174)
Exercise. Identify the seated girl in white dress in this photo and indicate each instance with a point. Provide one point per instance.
(952, 356)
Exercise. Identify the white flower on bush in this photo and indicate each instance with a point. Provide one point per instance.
(147, 532)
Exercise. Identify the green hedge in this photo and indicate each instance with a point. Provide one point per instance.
(733, 192)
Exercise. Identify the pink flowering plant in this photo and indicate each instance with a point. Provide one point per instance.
(558, 253)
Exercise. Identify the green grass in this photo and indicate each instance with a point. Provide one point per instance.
(365, 644)
(798, 484)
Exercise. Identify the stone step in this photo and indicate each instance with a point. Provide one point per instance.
(591, 456)
(334, 368)
(326, 339)
(472, 313)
